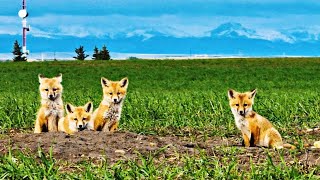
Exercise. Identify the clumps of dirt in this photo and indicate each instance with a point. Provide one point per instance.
(97, 146)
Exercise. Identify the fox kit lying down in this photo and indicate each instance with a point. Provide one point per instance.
(106, 117)
(51, 109)
(256, 130)
(77, 118)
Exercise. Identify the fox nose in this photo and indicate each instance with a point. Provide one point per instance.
(50, 96)
(115, 100)
(80, 126)
(241, 112)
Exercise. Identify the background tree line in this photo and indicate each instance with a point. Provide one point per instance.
(98, 54)
(102, 54)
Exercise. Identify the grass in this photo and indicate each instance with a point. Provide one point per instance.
(185, 98)
(21, 166)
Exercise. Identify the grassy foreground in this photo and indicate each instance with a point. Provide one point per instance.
(185, 97)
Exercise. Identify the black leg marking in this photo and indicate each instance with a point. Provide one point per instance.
(252, 141)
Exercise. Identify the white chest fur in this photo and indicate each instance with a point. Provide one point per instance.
(114, 112)
(53, 109)
(241, 123)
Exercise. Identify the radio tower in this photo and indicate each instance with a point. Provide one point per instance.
(24, 14)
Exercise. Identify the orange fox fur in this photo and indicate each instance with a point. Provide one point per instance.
(256, 130)
(51, 109)
(77, 118)
(106, 117)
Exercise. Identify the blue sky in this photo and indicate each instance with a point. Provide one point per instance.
(179, 18)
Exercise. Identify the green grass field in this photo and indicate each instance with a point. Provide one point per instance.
(183, 97)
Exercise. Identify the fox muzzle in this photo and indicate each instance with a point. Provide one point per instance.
(82, 127)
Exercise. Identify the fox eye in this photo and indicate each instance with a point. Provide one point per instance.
(46, 89)
(84, 119)
(54, 89)
(75, 119)
(110, 93)
(237, 104)
(118, 93)
(245, 104)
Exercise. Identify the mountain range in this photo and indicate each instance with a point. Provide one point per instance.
(227, 39)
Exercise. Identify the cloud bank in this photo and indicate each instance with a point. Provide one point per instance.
(53, 26)
(270, 19)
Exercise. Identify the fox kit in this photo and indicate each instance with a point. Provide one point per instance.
(77, 118)
(51, 109)
(106, 117)
(256, 130)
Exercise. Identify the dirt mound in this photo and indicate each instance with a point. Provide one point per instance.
(96, 146)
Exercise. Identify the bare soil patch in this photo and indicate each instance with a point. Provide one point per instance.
(97, 146)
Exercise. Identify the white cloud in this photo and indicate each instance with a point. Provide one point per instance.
(10, 20)
(10, 30)
(79, 31)
(10, 25)
(40, 33)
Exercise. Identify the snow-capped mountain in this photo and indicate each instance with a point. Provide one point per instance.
(301, 34)
(236, 30)
(144, 33)
(232, 30)
(228, 38)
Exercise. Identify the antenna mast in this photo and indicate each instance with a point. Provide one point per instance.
(24, 14)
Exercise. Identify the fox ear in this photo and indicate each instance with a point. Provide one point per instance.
(40, 76)
(231, 93)
(59, 77)
(88, 107)
(124, 82)
(105, 82)
(69, 108)
(253, 93)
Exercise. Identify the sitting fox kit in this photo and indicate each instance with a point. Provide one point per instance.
(51, 109)
(77, 118)
(106, 117)
(256, 130)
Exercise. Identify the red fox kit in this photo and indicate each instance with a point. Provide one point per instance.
(51, 109)
(256, 130)
(106, 117)
(77, 118)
